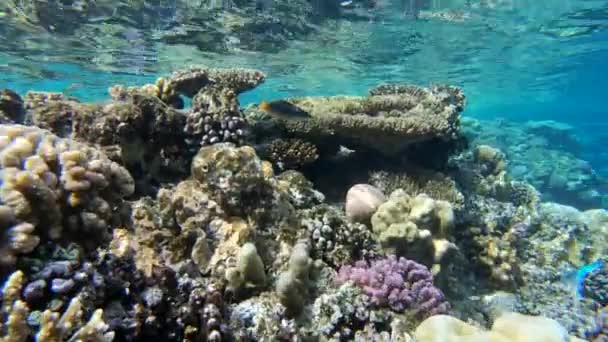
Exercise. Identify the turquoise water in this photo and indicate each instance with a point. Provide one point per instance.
(517, 60)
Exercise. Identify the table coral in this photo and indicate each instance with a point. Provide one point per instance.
(51, 184)
(383, 122)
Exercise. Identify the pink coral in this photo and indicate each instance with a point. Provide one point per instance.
(397, 283)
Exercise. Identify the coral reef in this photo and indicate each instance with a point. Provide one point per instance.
(209, 244)
(49, 184)
(292, 285)
(546, 155)
(434, 184)
(398, 283)
(599, 331)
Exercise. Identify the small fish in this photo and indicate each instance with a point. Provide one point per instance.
(283, 110)
(346, 3)
(574, 279)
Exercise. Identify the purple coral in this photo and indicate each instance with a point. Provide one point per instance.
(399, 283)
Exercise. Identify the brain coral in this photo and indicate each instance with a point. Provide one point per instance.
(50, 183)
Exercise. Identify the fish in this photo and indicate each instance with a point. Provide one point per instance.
(282, 109)
(346, 3)
(574, 280)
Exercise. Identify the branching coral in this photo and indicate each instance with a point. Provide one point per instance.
(292, 153)
(49, 183)
(334, 239)
(398, 283)
(53, 327)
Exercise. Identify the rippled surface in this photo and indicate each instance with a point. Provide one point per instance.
(514, 58)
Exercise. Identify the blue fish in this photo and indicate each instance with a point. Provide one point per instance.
(574, 279)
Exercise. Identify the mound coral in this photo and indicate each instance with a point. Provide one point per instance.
(511, 327)
(397, 283)
(415, 227)
(49, 184)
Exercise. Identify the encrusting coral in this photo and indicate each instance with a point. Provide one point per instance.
(49, 184)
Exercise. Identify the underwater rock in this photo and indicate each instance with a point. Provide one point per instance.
(362, 201)
(58, 185)
(138, 131)
(234, 176)
(300, 191)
